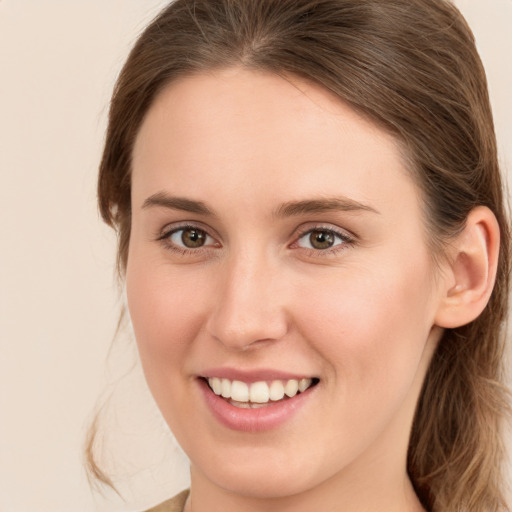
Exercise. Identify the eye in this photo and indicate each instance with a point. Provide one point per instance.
(321, 239)
(191, 238)
(187, 237)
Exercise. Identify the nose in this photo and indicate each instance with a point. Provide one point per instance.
(249, 309)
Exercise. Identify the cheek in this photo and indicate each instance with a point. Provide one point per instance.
(166, 312)
(371, 324)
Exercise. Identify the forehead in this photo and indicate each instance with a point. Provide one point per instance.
(240, 132)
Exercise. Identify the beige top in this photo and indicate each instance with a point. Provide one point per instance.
(176, 504)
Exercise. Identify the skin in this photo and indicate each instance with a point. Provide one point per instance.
(361, 315)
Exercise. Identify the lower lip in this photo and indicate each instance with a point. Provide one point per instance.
(253, 420)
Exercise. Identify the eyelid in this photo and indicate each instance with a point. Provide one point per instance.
(163, 236)
(185, 224)
(347, 237)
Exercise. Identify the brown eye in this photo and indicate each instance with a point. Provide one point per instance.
(193, 237)
(188, 240)
(321, 239)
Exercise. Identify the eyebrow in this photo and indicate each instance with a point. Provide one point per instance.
(177, 203)
(295, 208)
(288, 209)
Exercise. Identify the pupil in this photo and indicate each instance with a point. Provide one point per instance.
(193, 238)
(321, 239)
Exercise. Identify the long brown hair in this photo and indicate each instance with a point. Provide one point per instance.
(412, 67)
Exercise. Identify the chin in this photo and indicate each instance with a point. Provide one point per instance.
(262, 475)
(263, 484)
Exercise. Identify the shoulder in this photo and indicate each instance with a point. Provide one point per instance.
(175, 504)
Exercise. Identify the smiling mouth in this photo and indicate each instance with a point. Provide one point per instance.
(258, 394)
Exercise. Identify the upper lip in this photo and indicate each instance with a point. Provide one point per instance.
(255, 375)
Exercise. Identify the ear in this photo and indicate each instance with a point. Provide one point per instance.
(470, 271)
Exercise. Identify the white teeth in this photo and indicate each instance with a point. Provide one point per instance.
(216, 385)
(257, 392)
(276, 390)
(239, 391)
(225, 388)
(304, 384)
(291, 388)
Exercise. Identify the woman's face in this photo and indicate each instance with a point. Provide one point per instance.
(277, 240)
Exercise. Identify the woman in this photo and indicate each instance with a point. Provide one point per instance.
(312, 232)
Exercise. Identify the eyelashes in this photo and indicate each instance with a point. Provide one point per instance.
(317, 240)
(322, 239)
(187, 238)
(190, 238)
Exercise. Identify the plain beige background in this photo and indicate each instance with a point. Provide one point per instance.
(58, 299)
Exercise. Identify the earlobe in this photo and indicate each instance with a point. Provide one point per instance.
(471, 270)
